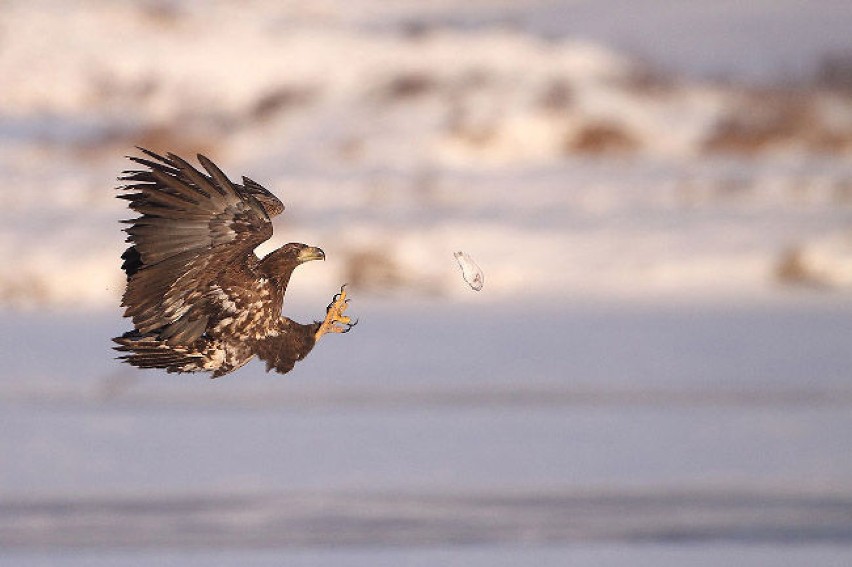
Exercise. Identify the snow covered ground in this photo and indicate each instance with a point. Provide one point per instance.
(561, 165)
(656, 372)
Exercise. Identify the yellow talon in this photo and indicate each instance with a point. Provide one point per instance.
(335, 321)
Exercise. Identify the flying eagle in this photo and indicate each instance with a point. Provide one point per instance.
(199, 297)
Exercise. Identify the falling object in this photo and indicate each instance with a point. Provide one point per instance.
(471, 272)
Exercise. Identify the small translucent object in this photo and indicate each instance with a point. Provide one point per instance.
(471, 272)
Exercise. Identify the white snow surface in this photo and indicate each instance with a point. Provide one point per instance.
(563, 166)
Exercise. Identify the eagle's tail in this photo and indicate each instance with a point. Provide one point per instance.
(146, 351)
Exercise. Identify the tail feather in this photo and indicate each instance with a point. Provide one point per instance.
(146, 351)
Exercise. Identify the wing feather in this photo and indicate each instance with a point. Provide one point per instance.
(191, 175)
(271, 204)
(192, 227)
(221, 181)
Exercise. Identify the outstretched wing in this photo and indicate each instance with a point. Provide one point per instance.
(193, 226)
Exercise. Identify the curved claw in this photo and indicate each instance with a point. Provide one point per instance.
(335, 321)
(337, 297)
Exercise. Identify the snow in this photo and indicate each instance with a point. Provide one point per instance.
(566, 165)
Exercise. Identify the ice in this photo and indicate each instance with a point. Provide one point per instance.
(590, 555)
(471, 272)
(440, 428)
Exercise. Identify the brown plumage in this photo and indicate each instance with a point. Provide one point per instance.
(199, 298)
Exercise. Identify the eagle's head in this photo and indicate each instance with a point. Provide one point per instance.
(296, 253)
(281, 263)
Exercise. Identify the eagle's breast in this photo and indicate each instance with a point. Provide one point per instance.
(245, 311)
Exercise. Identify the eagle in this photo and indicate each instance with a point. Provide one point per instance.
(199, 298)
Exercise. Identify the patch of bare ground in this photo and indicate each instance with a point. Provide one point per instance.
(473, 131)
(601, 138)
(556, 97)
(646, 80)
(377, 271)
(763, 121)
(175, 140)
(825, 266)
(408, 86)
(373, 269)
(281, 99)
(188, 132)
(835, 72)
(792, 269)
(163, 13)
(26, 291)
(178, 138)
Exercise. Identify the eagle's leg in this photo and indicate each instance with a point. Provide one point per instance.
(335, 321)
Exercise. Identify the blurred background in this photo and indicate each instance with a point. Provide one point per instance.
(657, 371)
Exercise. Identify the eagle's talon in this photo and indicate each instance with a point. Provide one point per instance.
(335, 321)
(338, 295)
